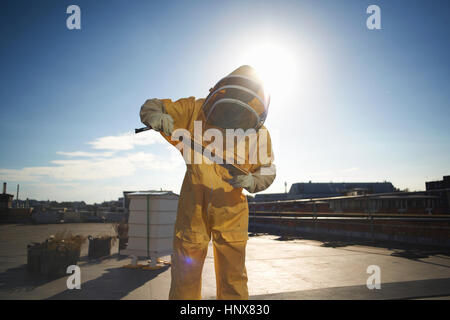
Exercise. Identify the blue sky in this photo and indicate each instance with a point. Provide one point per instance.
(362, 105)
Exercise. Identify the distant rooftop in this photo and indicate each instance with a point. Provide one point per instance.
(303, 190)
(339, 187)
(151, 193)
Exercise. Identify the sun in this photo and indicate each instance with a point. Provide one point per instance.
(276, 66)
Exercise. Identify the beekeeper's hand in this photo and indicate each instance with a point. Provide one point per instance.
(244, 181)
(153, 114)
(256, 181)
(161, 122)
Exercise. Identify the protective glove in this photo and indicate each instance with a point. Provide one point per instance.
(161, 122)
(244, 181)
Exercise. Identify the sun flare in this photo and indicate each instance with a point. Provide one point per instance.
(276, 67)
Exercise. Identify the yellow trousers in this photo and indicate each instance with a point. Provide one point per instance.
(209, 209)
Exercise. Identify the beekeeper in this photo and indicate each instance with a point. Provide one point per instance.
(211, 203)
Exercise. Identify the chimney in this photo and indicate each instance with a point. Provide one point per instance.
(17, 198)
(4, 187)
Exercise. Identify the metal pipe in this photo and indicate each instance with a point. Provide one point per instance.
(232, 169)
(137, 130)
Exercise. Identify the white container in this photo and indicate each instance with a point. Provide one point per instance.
(157, 217)
(155, 231)
(151, 224)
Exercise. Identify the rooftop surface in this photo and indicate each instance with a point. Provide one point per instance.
(277, 269)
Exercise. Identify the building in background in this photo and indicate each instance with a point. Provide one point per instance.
(440, 188)
(371, 197)
(261, 197)
(437, 185)
(309, 190)
(419, 202)
(10, 214)
(5, 200)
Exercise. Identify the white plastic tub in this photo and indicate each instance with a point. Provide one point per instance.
(157, 247)
(156, 217)
(151, 224)
(154, 231)
(159, 202)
